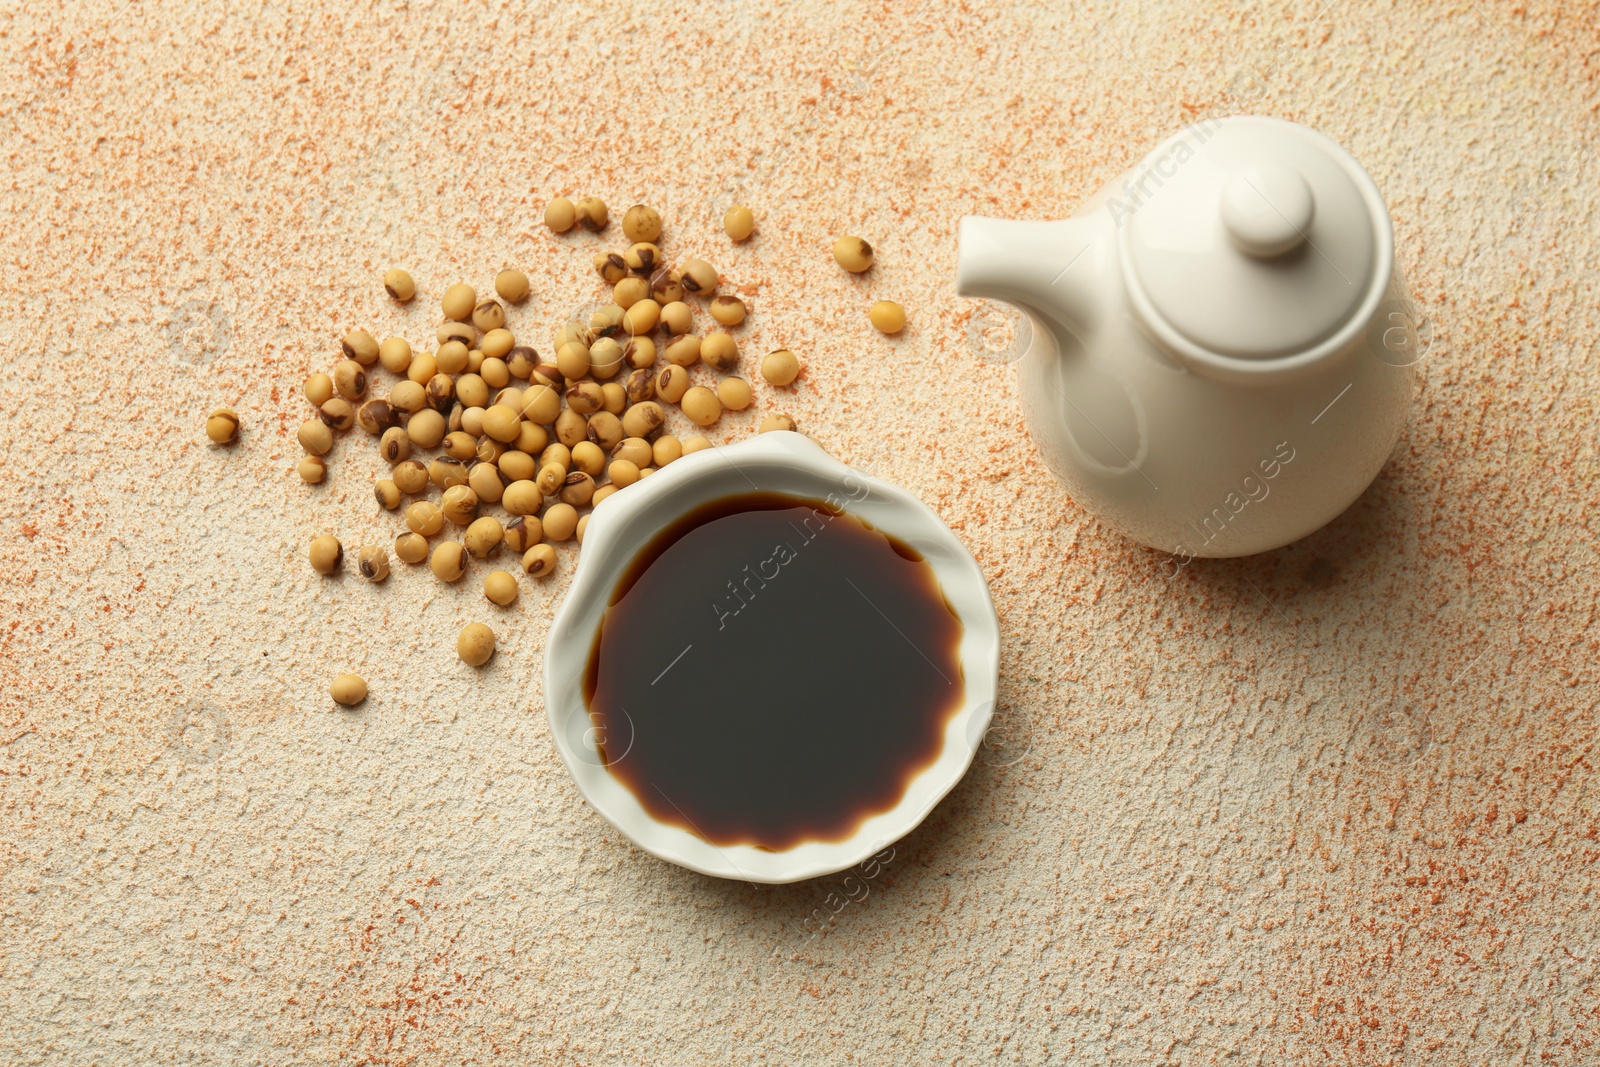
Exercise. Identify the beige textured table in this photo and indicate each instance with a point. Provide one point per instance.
(1334, 804)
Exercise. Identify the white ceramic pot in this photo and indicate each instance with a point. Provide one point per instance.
(773, 462)
(1222, 342)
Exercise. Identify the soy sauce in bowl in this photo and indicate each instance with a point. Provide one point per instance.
(771, 670)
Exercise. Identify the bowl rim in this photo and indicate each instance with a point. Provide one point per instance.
(775, 461)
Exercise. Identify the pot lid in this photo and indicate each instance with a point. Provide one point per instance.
(1252, 238)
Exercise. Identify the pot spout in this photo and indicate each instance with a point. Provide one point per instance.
(1045, 268)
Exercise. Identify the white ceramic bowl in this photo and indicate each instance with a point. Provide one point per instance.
(772, 462)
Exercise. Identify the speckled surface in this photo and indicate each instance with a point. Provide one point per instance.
(1334, 804)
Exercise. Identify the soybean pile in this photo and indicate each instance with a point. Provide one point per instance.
(519, 443)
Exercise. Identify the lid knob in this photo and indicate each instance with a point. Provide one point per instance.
(1267, 209)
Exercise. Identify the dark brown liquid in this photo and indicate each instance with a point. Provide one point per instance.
(772, 671)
